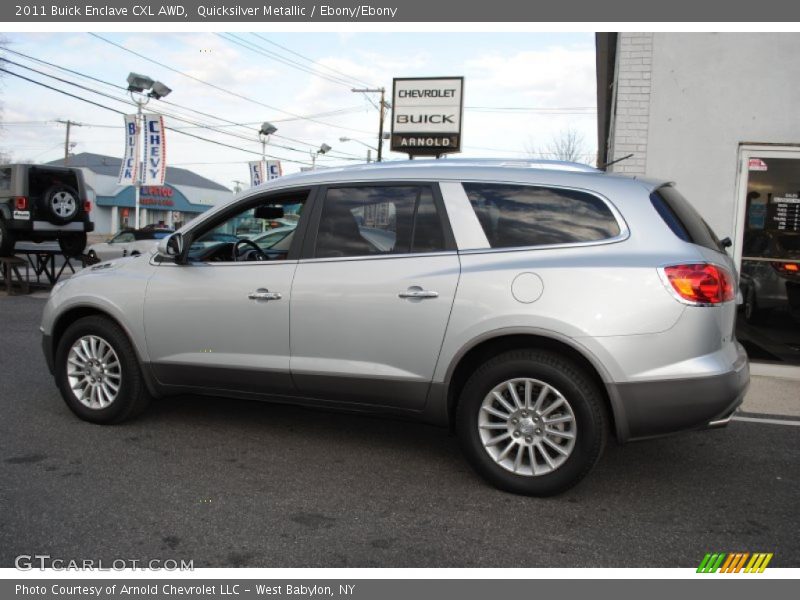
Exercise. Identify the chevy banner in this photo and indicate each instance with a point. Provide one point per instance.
(261, 171)
(129, 170)
(155, 150)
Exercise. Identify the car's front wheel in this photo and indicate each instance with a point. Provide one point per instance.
(98, 372)
(531, 422)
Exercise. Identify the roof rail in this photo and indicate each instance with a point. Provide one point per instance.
(529, 163)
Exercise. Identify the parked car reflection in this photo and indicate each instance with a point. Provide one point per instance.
(770, 274)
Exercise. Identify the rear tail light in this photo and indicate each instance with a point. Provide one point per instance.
(786, 267)
(701, 283)
(21, 203)
(87, 206)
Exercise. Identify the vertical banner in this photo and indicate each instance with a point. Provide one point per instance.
(274, 169)
(257, 173)
(155, 150)
(129, 169)
(262, 171)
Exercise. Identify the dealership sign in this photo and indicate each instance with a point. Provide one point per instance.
(129, 170)
(155, 150)
(426, 115)
(153, 170)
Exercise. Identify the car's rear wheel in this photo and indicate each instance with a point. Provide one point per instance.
(531, 422)
(98, 372)
(7, 240)
(72, 244)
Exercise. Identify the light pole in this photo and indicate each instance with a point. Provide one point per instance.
(323, 149)
(267, 129)
(137, 85)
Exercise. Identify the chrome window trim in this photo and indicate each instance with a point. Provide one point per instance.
(624, 230)
(614, 240)
(227, 263)
(378, 257)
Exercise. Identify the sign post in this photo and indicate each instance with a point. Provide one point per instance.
(426, 115)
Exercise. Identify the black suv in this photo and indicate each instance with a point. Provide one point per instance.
(40, 203)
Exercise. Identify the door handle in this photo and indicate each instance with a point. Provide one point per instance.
(416, 292)
(264, 294)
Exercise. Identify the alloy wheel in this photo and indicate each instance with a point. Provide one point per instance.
(527, 427)
(94, 372)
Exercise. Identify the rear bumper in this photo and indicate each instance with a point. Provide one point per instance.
(656, 408)
(45, 228)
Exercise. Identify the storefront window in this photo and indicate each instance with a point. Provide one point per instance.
(769, 322)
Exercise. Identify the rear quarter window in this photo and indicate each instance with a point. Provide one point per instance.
(682, 218)
(514, 215)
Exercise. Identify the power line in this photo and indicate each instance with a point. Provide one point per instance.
(218, 143)
(219, 88)
(330, 113)
(253, 47)
(173, 116)
(361, 81)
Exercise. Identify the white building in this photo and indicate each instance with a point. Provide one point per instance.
(183, 196)
(718, 114)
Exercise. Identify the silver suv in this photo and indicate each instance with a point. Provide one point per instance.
(535, 308)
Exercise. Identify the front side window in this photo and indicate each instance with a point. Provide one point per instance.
(124, 238)
(259, 231)
(378, 220)
(522, 215)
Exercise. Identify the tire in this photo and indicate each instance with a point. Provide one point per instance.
(61, 204)
(7, 240)
(72, 244)
(131, 397)
(582, 415)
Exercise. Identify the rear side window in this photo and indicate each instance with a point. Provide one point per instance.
(522, 215)
(5, 180)
(374, 220)
(684, 221)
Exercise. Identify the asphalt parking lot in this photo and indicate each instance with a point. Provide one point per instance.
(232, 483)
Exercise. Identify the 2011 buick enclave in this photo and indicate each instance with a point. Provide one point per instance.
(534, 307)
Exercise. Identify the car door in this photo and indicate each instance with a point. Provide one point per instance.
(372, 295)
(222, 324)
(117, 246)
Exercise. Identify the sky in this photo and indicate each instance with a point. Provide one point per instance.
(521, 90)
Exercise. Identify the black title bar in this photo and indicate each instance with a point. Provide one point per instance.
(370, 11)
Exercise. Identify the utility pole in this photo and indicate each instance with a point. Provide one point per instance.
(237, 185)
(382, 91)
(69, 124)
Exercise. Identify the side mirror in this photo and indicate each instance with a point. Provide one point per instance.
(171, 246)
(726, 242)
